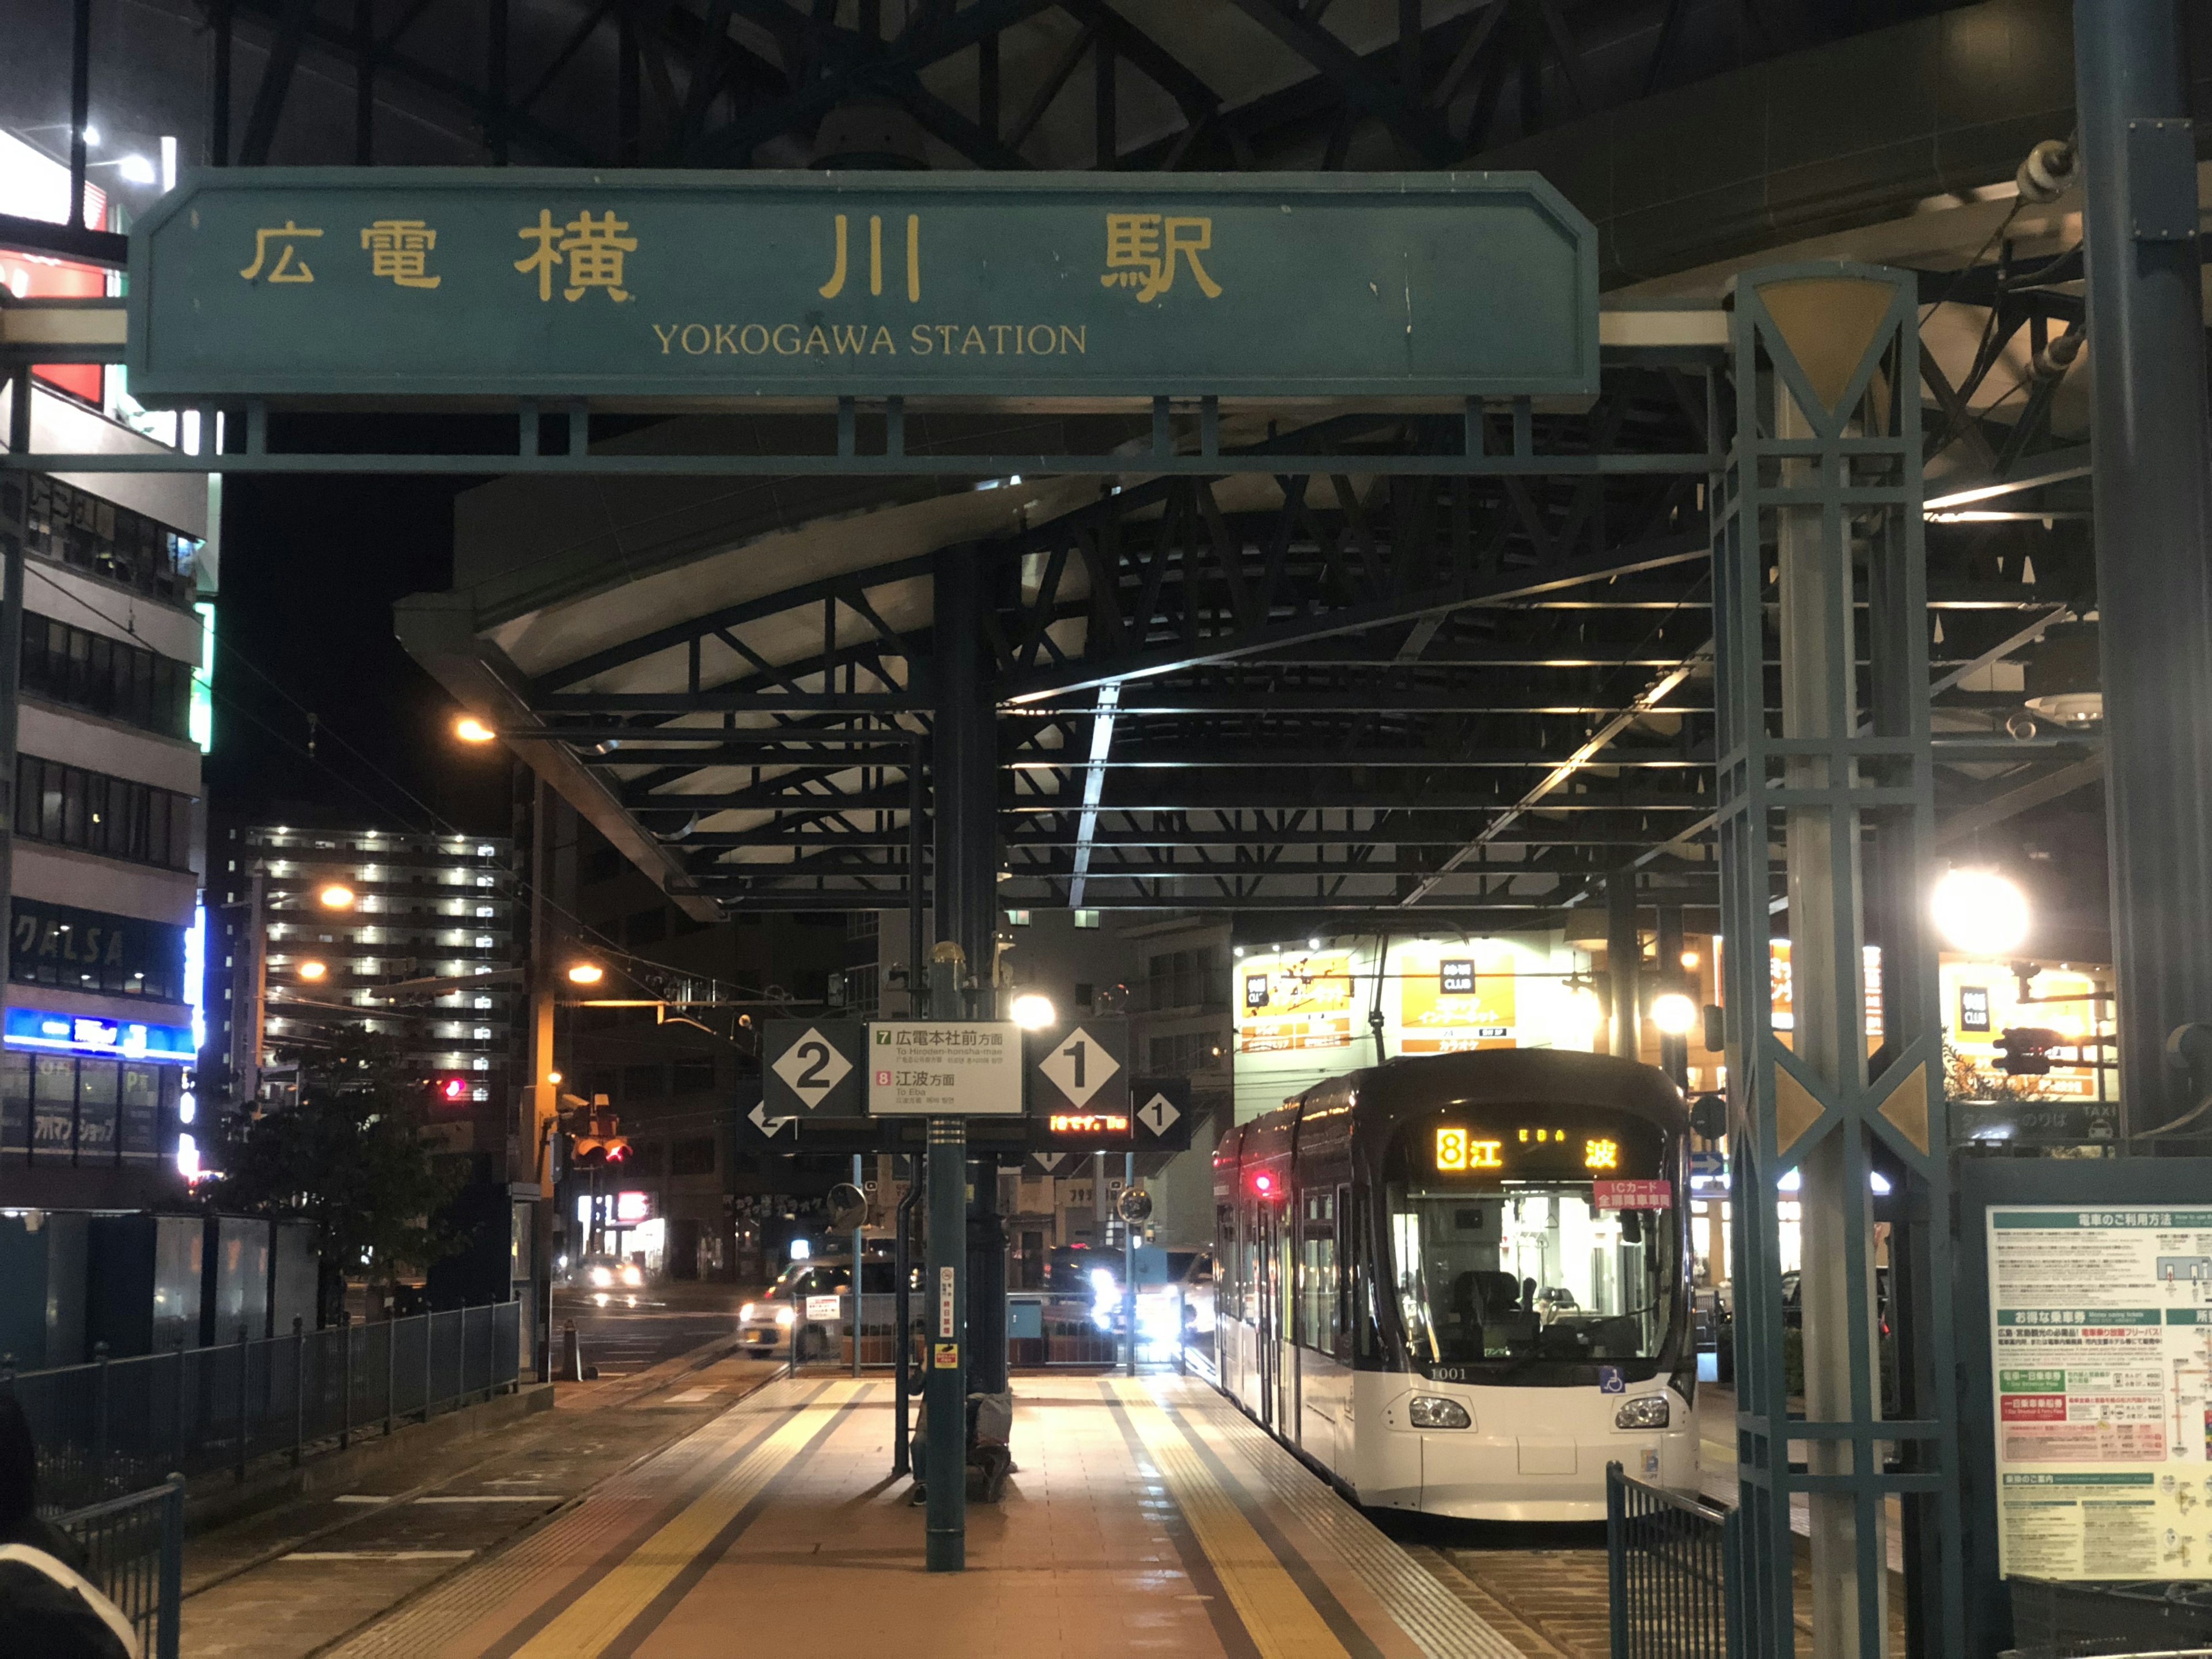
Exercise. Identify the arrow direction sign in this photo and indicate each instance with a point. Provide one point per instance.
(813, 1070)
(1163, 1117)
(1081, 1068)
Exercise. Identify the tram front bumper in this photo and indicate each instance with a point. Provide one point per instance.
(1549, 1470)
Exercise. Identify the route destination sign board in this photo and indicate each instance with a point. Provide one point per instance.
(945, 1068)
(485, 283)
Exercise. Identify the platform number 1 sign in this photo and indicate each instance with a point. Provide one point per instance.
(1080, 1068)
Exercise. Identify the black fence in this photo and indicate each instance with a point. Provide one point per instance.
(134, 1549)
(1671, 1559)
(121, 1426)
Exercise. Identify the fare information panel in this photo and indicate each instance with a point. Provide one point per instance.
(2101, 1326)
(512, 282)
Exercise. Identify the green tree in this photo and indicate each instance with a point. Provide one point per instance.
(352, 1158)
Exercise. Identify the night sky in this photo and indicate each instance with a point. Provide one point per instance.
(310, 566)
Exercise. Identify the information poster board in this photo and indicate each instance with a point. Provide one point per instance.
(2101, 1338)
(1296, 1003)
(1453, 998)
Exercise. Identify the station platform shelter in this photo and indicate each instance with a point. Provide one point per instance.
(1146, 1514)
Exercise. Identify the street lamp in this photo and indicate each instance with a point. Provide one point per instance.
(1980, 913)
(586, 973)
(335, 896)
(469, 729)
(1674, 1013)
(1032, 1012)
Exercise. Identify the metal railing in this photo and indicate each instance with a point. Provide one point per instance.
(117, 1427)
(134, 1549)
(1066, 1335)
(1671, 1561)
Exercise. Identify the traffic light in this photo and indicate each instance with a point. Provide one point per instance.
(600, 1141)
(449, 1091)
(2025, 1050)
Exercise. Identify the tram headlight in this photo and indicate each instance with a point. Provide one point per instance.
(1651, 1411)
(1428, 1410)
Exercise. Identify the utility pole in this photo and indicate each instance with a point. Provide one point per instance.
(2152, 527)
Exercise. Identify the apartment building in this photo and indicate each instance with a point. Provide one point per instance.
(101, 980)
(411, 935)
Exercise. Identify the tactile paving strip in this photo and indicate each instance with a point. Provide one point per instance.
(1441, 1626)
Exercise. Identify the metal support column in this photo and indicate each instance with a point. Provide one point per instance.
(965, 776)
(1823, 489)
(860, 1268)
(11, 670)
(1129, 1270)
(944, 1400)
(1673, 1051)
(2154, 527)
(1623, 952)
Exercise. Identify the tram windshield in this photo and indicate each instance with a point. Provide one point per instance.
(1502, 1257)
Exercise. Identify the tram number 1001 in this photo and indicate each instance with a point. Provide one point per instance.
(1459, 1150)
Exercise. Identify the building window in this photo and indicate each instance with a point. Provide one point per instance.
(1183, 1053)
(115, 817)
(643, 1083)
(1086, 918)
(102, 675)
(695, 1157)
(1184, 979)
(1018, 918)
(90, 950)
(692, 1077)
(65, 1110)
(67, 524)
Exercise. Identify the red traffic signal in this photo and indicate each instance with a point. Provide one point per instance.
(455, 1088)
(600, 1141)
(2025, 1050)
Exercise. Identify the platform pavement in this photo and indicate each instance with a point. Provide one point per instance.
(1147, 1516)
(291, 1581)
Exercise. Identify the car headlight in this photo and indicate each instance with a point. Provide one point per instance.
(1651, 1411)
(633, 1274)
(784, 1317)
(601, 1277)
(1430, 1412)
(745, 1313)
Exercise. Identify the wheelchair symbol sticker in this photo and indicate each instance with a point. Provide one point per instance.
(1610, 1380)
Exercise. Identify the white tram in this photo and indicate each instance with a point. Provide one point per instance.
(1459, 1284)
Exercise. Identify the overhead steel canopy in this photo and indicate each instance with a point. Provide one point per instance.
(1356, 695)
(1346, 662)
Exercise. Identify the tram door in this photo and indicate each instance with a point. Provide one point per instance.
(1269, 1287)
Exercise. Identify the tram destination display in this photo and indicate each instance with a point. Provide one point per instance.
(2101, 1331)
(1550, 1150)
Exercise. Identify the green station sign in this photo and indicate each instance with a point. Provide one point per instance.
(400, 283)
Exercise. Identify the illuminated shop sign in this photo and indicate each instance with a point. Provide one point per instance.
(81, 1034)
